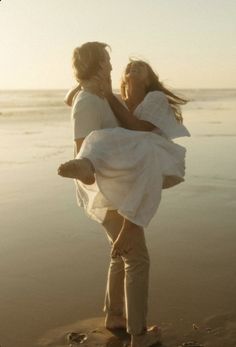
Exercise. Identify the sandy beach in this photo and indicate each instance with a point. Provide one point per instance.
(54, 259)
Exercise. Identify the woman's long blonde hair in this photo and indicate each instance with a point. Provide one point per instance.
(155, 84)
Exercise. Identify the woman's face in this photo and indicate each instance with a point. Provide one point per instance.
(137, 72)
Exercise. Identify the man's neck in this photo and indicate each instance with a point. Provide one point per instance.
(92, 86)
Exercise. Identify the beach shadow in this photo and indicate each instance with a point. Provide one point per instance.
(121, 338)
(88, 333)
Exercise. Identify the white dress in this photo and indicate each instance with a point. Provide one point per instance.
(131, 165)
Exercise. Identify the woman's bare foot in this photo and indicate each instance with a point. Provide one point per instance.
(150, 337)
(80, 169)
(115, 322)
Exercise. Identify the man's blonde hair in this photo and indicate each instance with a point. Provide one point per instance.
(87, 58)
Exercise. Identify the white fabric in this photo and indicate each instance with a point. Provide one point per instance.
(156, 109)
(90, 112)
(130, 165)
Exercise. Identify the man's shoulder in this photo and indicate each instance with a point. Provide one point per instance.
(86, 102)
(86, 97)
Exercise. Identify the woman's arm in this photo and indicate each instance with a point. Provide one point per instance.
(126, 118)
(69, 98)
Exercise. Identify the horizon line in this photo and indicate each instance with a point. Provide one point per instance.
(63, 89)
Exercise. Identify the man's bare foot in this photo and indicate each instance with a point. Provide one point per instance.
(80, 169)
(149, 338)
(115, 322)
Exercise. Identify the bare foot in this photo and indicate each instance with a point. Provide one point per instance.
(149, 338)
(80, 169)
(115, 322)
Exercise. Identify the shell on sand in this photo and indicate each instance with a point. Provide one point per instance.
(97, 335)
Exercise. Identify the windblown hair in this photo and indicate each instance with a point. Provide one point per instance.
(87, 58)
(155, 84)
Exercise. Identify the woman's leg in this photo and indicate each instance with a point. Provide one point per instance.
(114, 297)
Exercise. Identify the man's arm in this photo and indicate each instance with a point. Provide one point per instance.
(69, 98)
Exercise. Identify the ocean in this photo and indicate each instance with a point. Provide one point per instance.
(13, 100)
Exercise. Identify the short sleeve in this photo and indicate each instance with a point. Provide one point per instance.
(157, 110)
(86, 117)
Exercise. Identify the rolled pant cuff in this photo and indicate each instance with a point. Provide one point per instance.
(136, 333)
(113, 312)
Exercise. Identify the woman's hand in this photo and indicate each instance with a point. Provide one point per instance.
(107, 87)
(105, 83)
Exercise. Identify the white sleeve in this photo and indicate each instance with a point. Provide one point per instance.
(86, 117)
(157, 110)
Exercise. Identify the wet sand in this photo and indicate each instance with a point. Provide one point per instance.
(54, 259)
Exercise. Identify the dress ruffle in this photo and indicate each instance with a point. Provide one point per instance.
(131, 169)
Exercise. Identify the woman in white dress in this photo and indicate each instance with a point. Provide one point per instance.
(131, 166)
(123, 170)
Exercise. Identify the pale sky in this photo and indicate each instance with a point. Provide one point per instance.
(190, 43)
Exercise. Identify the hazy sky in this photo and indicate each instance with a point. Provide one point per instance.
(190, 43)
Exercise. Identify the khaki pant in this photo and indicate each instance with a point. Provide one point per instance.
(128, 278)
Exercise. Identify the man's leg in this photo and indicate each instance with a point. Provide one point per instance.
(114, 297)
(137, 264)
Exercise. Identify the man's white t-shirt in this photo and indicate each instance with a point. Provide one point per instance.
(91, 112)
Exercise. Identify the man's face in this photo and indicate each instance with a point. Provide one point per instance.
(106, 65)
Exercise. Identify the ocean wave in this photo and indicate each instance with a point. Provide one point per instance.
(49, 99)
(215, 135)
